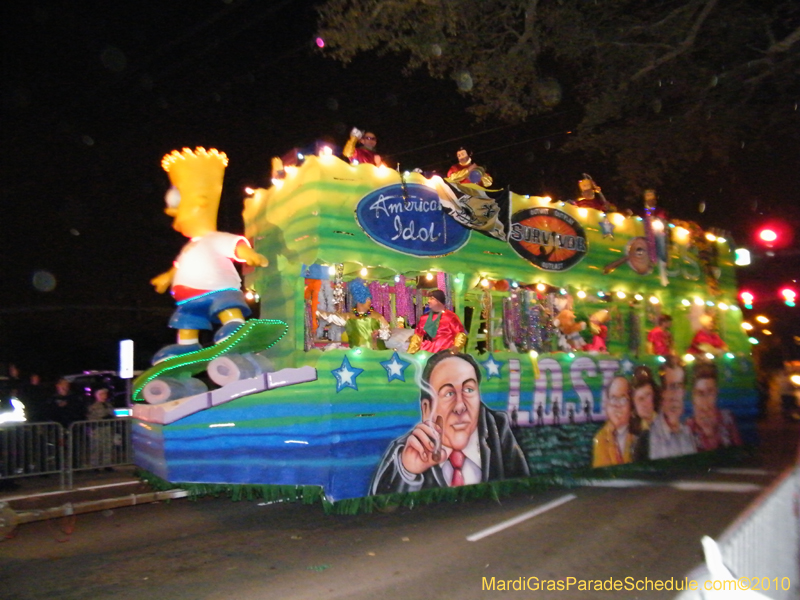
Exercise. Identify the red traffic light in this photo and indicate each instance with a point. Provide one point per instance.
(775, 234)
(747, 298)
(767, 235)
(789, 296)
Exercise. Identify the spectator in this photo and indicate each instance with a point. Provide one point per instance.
(34, 396)
(101, 437)
(65, 407)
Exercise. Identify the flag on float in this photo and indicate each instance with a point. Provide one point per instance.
(475, 207)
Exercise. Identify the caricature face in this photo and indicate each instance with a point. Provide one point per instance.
(196, 214)
(704, 401)
(672, 396)
(456, 398)
(618, 404)
(463, 157)
(644, 401)
(638, 256)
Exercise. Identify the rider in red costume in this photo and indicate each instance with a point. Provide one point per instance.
(440, 329)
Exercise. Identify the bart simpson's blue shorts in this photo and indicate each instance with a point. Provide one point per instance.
(201, 312)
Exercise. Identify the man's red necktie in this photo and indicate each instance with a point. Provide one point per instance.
(457, 460)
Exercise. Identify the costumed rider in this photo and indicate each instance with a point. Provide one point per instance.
(360, 148)
(363, 324)
(706, 340)
(440, 329)
(655, 228)
(467, 171)
(204, 281)
(592, 196)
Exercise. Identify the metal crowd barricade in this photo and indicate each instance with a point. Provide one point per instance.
(763, 545)
(98, 445)
(30, 449)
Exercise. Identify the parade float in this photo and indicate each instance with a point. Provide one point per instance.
(318, 396)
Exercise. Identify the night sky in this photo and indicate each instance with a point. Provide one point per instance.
(93, 94)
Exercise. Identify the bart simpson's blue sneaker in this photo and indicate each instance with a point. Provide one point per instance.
(174, 350)
(226, 331)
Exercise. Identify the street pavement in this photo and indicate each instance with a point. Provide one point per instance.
(213, 548)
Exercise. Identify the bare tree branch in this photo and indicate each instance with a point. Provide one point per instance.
(684, 46)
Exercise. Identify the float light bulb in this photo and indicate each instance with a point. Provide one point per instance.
(429, 276)
(742, 257)
(653, 300)
(762, 319)
(364, 272)
(581, 294)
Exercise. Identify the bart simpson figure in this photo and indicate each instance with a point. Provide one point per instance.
(204, 280)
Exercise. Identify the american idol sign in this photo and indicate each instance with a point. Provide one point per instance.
(408, 219)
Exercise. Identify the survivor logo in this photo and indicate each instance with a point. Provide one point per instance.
(548, 238)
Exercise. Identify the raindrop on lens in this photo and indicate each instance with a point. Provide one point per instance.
(44, 281)
(113, 59)
(464, 80)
